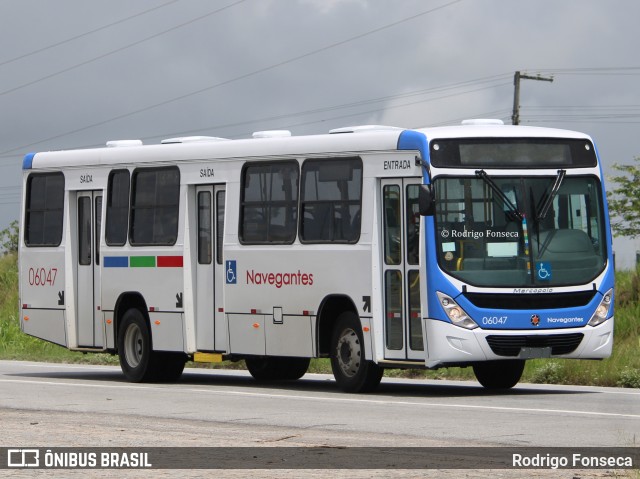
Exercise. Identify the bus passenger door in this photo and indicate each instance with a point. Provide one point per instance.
(88, 314)
(400, 269)
(211, 334)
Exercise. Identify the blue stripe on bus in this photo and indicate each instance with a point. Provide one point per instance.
(116, 261)
(415, 140)
(27, 162)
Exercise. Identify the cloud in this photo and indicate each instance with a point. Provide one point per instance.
(309, 59)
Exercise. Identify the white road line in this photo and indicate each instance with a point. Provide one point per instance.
(232, 372)
(355, 400)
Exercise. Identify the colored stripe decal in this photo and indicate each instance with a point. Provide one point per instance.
(116, 261)
(142, 261)
(169, 261)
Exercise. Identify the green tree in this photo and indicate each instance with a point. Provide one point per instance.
(624, 200)
(9, 238)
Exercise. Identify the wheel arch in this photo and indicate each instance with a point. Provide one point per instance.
(330, 309)
(126, 301)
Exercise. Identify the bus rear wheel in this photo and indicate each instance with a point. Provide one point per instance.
(499, 374)
(274, 368)
(138, 361)
(134, 347)
(353, 373)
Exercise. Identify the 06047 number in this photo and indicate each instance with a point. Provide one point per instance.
(42, 276)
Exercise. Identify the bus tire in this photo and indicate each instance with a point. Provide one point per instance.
(499, 374)
(137, 361)
(353, 373)
(273, 368)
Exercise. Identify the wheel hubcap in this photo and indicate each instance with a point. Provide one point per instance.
(349, 352)
(133, 345)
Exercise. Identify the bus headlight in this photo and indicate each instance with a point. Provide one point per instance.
(455, 313)
(602, 311)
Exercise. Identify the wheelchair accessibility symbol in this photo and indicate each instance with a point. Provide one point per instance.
(543, 271)
(230, 269)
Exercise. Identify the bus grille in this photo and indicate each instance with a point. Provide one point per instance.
(530, 301)
(510, 345)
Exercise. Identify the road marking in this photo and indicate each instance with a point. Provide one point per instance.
(356, 400)
(237, 372)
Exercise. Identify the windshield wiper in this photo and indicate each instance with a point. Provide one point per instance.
(549, 199)
(513, 209)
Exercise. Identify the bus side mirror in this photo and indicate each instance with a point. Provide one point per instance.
(426, 200)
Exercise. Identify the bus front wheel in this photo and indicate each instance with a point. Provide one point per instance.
(499, 374)
(353, 373)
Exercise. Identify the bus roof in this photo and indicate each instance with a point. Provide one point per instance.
(495, 131)
(343, 140)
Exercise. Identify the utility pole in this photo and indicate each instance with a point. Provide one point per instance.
(515, 117)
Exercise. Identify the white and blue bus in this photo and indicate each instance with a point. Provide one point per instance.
(478, 245)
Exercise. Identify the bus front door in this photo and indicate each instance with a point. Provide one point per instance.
(211, 333)
(400, 270)
(88, 315)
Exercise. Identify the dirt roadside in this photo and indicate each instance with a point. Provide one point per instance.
(22, 428)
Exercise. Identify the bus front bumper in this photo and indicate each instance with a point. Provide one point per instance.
(447, 344)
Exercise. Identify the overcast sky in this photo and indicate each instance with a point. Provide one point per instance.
(76, 73)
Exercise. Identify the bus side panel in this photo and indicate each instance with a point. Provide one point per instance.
(42, 293)
(246, 333)
(167, 331)
(49, 324)
(278, 343)
(283, 287)
(157, 276)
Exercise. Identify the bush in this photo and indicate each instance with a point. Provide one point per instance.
(629, 378)
(9, 238)
(549, 373)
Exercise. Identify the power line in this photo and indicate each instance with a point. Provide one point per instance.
(502, 114)
(353, 105)
(368, 112)
(81, 35)
(583, 113)
(391, 107)
(581, 107)
(483, 83)
(612, 71)
(232, 80)
(117, 50)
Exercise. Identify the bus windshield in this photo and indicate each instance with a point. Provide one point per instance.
(535, 231)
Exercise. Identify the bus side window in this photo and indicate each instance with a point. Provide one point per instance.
(269, 203)
(117, 208)
(44, 209)
(204, 227)
(331, 200)
(155, 200)
(220, 203)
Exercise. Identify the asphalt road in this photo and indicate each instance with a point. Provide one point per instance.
(55, 405)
